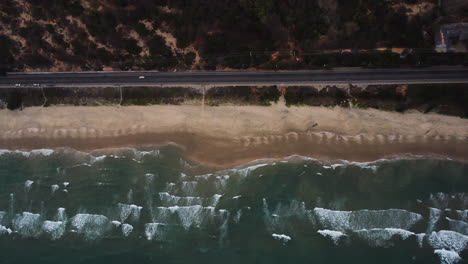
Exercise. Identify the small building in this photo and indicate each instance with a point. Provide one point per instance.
(452, 37)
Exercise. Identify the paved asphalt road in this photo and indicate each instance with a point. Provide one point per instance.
(381, 76)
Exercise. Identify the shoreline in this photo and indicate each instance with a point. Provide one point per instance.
(127, 151)
(226, 136)
(222, 154)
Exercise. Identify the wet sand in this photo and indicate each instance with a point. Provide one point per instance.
(231, 135)
(224, 153)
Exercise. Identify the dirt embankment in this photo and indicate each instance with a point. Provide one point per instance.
(446, 99)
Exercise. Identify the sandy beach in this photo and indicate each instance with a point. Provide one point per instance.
(230, 135)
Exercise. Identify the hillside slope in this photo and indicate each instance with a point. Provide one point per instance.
(55, 35)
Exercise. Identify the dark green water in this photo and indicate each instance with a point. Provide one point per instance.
(154, 207)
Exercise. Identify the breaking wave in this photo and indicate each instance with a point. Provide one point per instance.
(153, 196)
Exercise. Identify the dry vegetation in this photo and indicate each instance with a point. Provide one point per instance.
(54, 35)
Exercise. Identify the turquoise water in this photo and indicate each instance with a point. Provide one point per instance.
(153, 206)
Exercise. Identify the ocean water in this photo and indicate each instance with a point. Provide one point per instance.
(153, 206)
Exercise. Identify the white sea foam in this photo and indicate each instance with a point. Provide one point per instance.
(223, 229)
(203, 177)
(447, 256)
(364, 165)
(185, 164)
(382, 237)
(163, 214)
(149, 178)
(28, 185)
(333, 235)
(172, 200)
(366, 219)
(27, 154)
(91, 226)
(244, 172)
(54, 188)
(334, 220)
(334, 166)
(445, 239)
(4, 230)
(127, 229)
(293, 158)
(188, 216)
(420, 238)
(214, 200)
(43, 152)
(129, 210)
(82, 164)
(221, 182)
(98, 158)
(53, 229)
(372, 165)
(91, 157)
(193, 215)
(281, 237)
(28, 224)
(140, 154)
(61, 215)
(154, 231)
(132, 153)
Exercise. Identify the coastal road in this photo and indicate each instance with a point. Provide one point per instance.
(348, 76)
